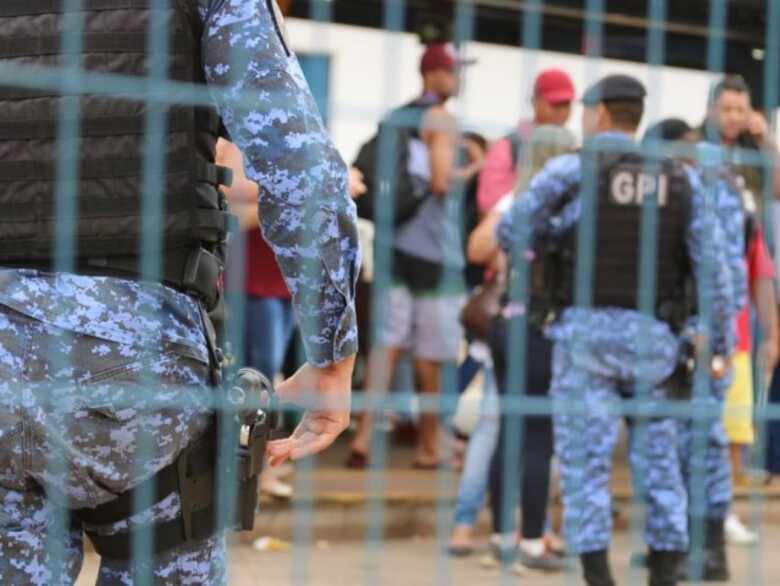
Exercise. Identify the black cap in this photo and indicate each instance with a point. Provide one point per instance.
(615, 87)
(669, 129)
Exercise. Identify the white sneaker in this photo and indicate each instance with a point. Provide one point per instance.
(737, 533)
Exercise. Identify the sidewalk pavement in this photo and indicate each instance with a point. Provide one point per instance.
(342, 505)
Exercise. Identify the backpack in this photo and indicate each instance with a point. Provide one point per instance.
(384, 163)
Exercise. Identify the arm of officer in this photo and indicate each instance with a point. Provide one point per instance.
(529, 216)
(732, 223)
(708, 258)
(306, 212)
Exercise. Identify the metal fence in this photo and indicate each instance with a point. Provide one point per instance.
(160, 93)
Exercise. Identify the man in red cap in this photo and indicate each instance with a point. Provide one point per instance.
(420, 315)
(553, 94)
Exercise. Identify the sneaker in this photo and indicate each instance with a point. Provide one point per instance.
(547, 562)
(737, 533)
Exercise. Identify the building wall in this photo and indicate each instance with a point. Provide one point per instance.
(373, 70)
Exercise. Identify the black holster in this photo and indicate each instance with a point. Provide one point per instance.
(244, 423)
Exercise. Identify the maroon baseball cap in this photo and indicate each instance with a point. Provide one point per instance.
(554, 86)
(442, 56)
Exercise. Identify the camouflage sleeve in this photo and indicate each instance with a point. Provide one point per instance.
(713, 276)
(306, 213)
(731, 217)
(732, 221)
(535, 208)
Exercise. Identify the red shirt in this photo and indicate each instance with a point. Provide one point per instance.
(263, 276)
(759, 266)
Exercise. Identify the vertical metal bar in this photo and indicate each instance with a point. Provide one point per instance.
(155, 133)
(442, 405)
(63, 253)
(514, 401)
(759, 501)
(234, 330)
(639, 437)
(303, 534)
(375, 400)
(583, 294)
(703, 381)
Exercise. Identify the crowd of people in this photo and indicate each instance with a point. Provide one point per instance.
(462, 204)
(605, 280)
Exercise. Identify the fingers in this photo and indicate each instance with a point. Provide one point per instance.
(278, 451)
(315, 433)
(310, 444)
(300, 446)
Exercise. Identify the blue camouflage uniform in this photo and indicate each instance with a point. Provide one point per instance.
(86, 344)
(714, 460)
(601, 354)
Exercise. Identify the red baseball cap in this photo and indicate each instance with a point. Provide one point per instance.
(442, 56)
(554, 86)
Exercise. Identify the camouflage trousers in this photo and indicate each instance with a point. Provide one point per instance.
(709, 465)
(74, 410)
(584, 444)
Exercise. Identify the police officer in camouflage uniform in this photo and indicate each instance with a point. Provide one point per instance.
(611, 349)
(77, 348)
(713, 460)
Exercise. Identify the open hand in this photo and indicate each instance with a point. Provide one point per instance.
(326, 394)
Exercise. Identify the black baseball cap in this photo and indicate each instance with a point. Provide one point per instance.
(614, 87)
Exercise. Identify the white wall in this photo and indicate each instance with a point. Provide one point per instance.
(373, 70)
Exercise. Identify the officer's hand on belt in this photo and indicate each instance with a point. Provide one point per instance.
(325, 393)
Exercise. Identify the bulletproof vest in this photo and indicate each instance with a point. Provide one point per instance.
(624, 184)
(110, 146)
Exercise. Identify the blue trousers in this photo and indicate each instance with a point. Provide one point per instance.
(713, 461)
(585, 442)
(479, 453)
(83, 403)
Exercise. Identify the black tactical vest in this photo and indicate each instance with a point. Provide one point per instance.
(625, 182)
(110, 149)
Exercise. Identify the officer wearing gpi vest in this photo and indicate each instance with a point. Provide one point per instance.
(609, 348)
(78, 348)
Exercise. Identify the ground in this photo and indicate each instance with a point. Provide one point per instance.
(419, 562)
(331, 512)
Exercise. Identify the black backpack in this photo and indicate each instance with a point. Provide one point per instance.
(384, 162)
